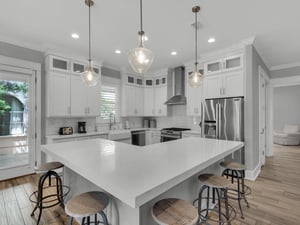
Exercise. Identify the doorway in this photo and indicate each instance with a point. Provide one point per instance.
(17, 121)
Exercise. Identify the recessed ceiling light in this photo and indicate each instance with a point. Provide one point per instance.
(118, 51)
(174, 53)
(75, 36)
(211, 40)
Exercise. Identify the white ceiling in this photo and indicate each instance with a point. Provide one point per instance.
(48, 24)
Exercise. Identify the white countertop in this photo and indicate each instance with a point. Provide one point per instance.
(137, 174)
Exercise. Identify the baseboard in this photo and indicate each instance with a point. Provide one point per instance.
(253, 174)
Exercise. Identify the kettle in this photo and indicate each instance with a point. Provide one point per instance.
(127, 125)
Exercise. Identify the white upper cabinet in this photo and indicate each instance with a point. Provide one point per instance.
(194, 97)
(58, 94)
(148, 101)
(228, 84)
(66, 93)
(133, 101)
(160, 97)
(223, 64)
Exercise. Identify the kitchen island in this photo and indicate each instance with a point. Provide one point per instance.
(136, 177)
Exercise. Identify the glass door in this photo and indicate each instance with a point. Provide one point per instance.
(17, 123)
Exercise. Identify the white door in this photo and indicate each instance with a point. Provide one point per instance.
(148, 101)
(213, 86)
(93, 100)
(17, 122)
(262, 119)
(78, 96)
(233, 84)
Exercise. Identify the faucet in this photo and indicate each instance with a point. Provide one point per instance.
(112, 120)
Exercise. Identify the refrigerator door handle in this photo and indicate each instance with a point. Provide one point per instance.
(217, 121)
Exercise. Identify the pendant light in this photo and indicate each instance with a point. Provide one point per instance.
(140, 58)
(89, 77)
(195, 79)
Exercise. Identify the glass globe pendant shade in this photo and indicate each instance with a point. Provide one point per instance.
(195, 79)
(140, 58)
(89, 77)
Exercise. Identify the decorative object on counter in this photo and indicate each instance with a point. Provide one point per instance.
(40, 198)
(81, 127)
(152, 123)
(89, 77)
(86, 205)
(219, 186)
(236, 171)
(127, 124)
(140, 58)
(146, 123)
(174, 211)
(196, 78)
(65, 130)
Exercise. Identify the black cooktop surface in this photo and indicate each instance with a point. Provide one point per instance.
(176, 129)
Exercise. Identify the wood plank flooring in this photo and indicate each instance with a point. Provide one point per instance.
(275, 198)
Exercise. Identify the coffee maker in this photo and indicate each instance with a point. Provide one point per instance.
(81, 127)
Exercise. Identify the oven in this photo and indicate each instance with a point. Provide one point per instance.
(171, 134)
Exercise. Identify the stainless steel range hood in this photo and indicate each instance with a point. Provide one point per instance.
(178, 86)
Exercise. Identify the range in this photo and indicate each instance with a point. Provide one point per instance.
(172, 133)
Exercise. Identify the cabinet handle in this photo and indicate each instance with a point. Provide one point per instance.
(223, 91)
(220, 91)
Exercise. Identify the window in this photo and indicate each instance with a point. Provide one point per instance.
(109, 102)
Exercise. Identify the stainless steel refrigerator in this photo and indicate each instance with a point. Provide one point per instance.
(224, 119)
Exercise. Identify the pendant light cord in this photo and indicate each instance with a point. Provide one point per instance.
(196, 37)
(90, 33)
(141, 15)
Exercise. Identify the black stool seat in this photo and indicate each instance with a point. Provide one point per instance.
(236, 171)
(87, 204)
(42, 199)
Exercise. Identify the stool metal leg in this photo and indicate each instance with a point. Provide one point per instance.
(243, 187)
(226, 205)
(239, 192)
(83, 220)
(105, 221)
(70, 220)
(96, 220)
(219, 205)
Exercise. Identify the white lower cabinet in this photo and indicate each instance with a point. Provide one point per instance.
(224, 85)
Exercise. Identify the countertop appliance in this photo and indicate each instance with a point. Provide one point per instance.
(138, 137)
(171, 133)
(65, 130)
(81, 127)
(224, 119)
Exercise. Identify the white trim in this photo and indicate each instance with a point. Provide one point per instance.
(19, 63)
(253, 174)
(285, 81)
(285, 66)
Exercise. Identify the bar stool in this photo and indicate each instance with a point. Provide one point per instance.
(219, 186)
(43, 199)
(86, 205)
(236, 171)
(172, 211)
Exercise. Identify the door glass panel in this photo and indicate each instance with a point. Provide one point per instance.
(60, 64)
(14, 120)
(149, 82)
(139, 81)
(163, 80)
(78, 68)
(232, 63)
(96, 70)
(130, 80)
(213, 67)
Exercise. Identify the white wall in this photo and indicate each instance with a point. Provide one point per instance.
(286, 108)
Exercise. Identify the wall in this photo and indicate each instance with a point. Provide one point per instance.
(286, 106)
(293, 71)
(253, 61)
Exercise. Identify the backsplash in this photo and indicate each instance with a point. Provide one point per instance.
(176, 118)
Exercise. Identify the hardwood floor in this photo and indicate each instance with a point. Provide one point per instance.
(275, 197)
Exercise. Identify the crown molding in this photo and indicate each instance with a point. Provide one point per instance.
(285, 66)
(285, 81)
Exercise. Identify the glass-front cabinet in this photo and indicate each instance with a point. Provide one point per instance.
(58, 63)
(223, 64)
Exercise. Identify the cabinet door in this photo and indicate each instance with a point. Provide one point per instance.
(233, 62)
(160, 97)
(78, 96)
(148, 101)
(58, 94)
(139, 101)
(213, 67)
(233, 84)
(213, 86)
(58, 63)
(93, 100)
(129, 101)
